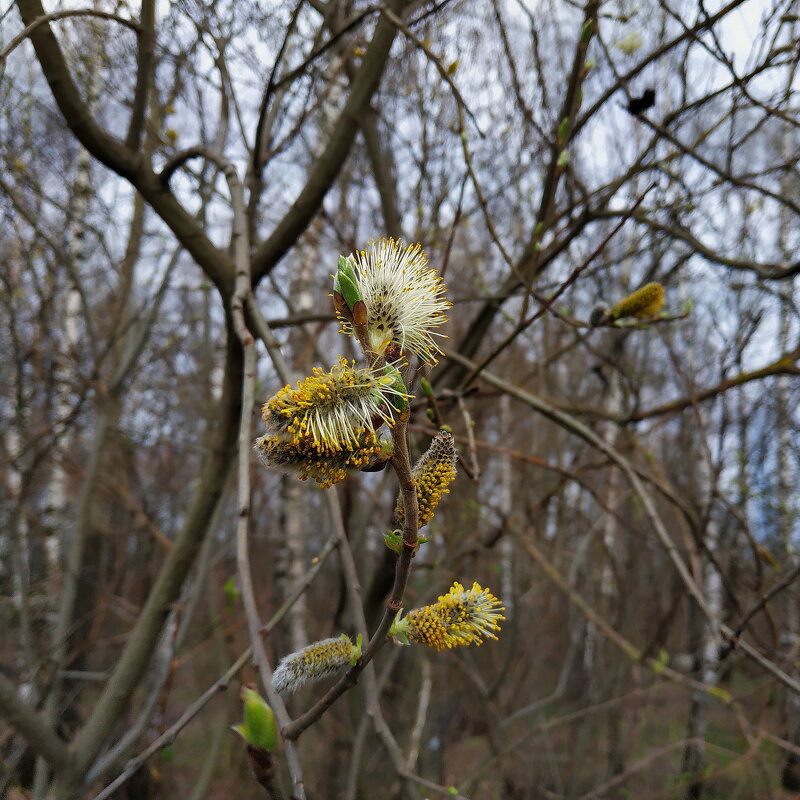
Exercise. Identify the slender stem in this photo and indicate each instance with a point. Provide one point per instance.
(24, 719)
(56, 15)
(402, 466)
(220, 685)
(570, 423)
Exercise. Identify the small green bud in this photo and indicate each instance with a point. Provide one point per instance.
(587, 30)
(348, 267)
(355, 654)
(399, 401)
(393, 540)
(347, 288)
(258, 728)
(167, 754)
(563, 130)
(427, 389)
(231, 592)
(399, 629)
(563, 159)
(430, 414)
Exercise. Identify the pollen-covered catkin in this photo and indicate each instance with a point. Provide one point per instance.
(324, 464)
(644, 303)
(333, 407)
(459, 618)
(319, 659)
(403, 297)
(433, 473)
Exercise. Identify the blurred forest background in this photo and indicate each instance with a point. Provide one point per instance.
(629, 491)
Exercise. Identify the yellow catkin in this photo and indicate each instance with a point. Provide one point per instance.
(459, 618)
(325, 464)
(331, 407)
(312, 663)
(433, 473)
(403, 298)
(644, 303)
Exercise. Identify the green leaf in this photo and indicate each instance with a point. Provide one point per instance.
(393, 540)
(398, 402)
(399, 629)
(355, 654)
(231, 592)
(259, 721)
(167, 754)
(348, 267)
(347, 288)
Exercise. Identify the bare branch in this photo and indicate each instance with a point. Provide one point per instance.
(24, 719)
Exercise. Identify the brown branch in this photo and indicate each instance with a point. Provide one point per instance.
(733, 639)
(106, 148)
(220, 685)
(36, 732)
(263, 766)
(327, 166)
(590, 437)
(127, 163)
(706, 21)
(546, 303)
(402, 466)
(178, 562)
(57, 15)
(144, 74)
(765, 270)
(241, 295)
(785, 365)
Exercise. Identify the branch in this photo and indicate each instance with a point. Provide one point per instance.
(144, 73)
(56, 15)
(138, 650)
(24, 719)
(220, 685)
(372, 691)
(113, 153)
(126, 163)
(765, 270)
(328, 165)
(733, 640)
(785, 365)
(402, 466)
(578, 428)
(704, 22)
(242, 292)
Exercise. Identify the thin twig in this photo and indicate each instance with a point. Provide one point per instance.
(221, 684)
(56, 15)
(571, 424)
